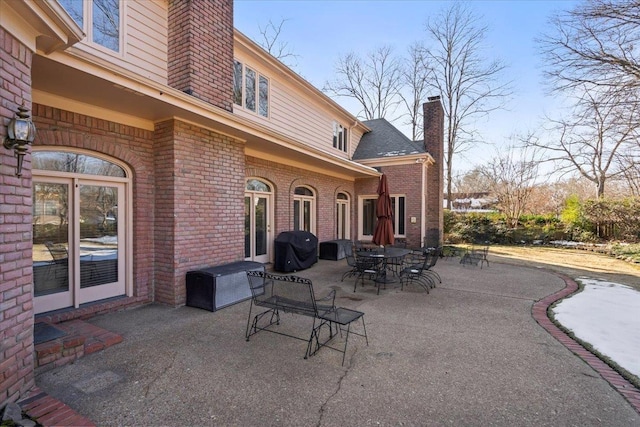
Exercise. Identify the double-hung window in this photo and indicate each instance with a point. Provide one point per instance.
(100, 19)
(250, 89)
(368, 217)
(339, 137)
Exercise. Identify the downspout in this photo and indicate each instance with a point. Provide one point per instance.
(423, 203)
(350, 154)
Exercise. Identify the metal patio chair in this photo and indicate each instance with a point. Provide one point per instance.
(433, 254)
(349, 252)
(416, 273)
(367, 267)
(476, 256)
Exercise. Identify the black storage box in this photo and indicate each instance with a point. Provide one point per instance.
(334, 249)
(295, 250)
(217, 287)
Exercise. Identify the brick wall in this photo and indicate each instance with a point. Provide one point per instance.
(133, 146)
(434, 144)
(286, 178)
(200, 49)
(16, 274)
(199, 204)
(407, 180)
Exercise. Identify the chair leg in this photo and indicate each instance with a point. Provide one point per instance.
(360, 277)
(435, 276)
(347, 274)
(246, 334)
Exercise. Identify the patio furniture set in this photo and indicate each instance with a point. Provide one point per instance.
(275, 294)
(392, 264)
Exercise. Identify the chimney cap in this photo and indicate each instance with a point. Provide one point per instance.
(434, 98)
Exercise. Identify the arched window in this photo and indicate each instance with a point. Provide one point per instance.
(258, 185)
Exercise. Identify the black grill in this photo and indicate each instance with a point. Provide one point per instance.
(295, 250)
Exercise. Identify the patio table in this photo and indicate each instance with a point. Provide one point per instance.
(386, 254)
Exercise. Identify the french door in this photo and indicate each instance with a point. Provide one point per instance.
(257, 227)
(78, 241)
(342, 217)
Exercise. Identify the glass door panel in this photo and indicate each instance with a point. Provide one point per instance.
(296, 215)
(51, 266)
(261, 226)
(342, 230)
(99, 241)
(306, 225)
(257, 228)
(98, 235)
(302, 215)
(247, 227)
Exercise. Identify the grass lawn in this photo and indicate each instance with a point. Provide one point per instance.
(574, 263)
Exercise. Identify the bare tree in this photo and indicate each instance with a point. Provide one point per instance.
(473, 181)
(512, 175)
(373, 81)
(590, 54)
(414, 78)
(631, 173)
(594, 139)
(272, 43)
(594, 45)
(468, 83)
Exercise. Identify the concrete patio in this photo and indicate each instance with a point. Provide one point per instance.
(468, 353)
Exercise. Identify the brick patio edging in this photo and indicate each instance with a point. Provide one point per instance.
(617, 381)
(49, 411)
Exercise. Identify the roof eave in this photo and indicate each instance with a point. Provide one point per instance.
(398, 160)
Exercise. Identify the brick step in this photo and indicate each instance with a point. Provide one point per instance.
(48, 411)
(81, 338)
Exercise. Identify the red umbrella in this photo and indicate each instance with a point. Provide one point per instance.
(383, 234)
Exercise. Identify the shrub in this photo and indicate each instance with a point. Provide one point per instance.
(590, 221)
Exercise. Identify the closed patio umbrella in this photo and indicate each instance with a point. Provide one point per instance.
(383, 233)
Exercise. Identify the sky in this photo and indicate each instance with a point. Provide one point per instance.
(321, 31)
(605, 315)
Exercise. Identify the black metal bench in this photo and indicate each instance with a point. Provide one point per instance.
(292, 294)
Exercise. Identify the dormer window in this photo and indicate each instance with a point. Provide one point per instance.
(339, 137)
(250, 89)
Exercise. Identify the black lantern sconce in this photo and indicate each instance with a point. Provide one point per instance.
(20, 134)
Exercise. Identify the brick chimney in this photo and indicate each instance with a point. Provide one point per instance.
(200, 49)
(434, 144)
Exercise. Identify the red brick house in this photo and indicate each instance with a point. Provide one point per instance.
(166, 142)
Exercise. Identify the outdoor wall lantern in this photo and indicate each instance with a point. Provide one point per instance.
(20, 133)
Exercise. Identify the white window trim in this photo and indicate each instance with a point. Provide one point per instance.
(347, 203)
(362, 198)
(257, 95)
(339, 130)
(302, 199)
(87, 17)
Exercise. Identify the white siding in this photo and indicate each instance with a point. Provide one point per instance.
(298, 113)
(145, 40)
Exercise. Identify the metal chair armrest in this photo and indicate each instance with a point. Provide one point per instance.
(331, 296)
